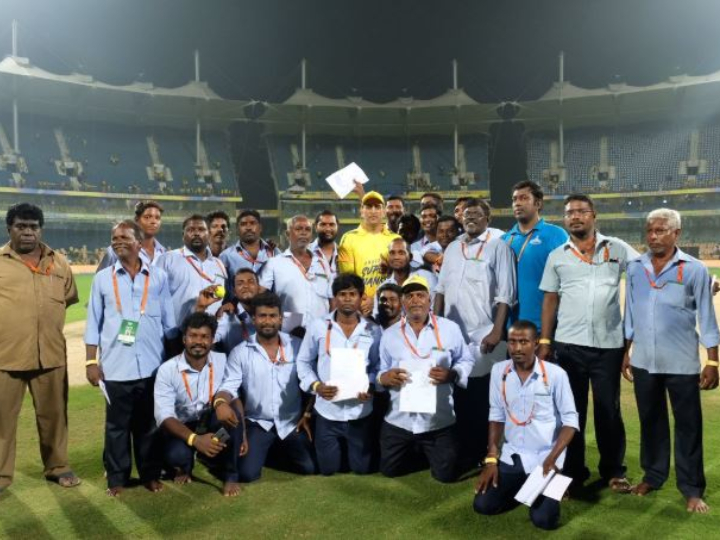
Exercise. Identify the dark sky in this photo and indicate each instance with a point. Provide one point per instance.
(380, 49)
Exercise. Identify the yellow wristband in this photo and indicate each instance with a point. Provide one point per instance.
(712, 363)
(315, 385)
(89, 363)
(489, 460)
(219, 401)
(191, 439)
(545, 341)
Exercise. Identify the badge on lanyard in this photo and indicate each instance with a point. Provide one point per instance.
(128, 332)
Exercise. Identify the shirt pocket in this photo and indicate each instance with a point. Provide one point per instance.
(674, 296)
(544, 409)
(53, 286)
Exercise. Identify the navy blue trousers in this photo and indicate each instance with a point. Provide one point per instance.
(544, 513)
(353, 438)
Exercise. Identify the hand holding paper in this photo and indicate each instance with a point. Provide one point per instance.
(343, 181)
(348, 373)
(418, 394)
(552, 485)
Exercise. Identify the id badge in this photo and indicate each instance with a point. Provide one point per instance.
(128, 332)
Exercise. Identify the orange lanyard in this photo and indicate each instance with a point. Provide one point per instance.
(246, 255)
(410, 345)
(281, 352)
(116, 290)
(187, 385)
(522, 249)
(301, 267)
(477, 255)
(532, 409)
(203, 274)
(583, 258)
(327, 339)
(679, 278)
(36, 269)
(326, 265)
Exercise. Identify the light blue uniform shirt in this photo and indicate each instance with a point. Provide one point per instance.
(110, 258)
(530, 267)
(236, 257)
(314, 363)
(454, 355)
(308, 294)
(314, 247)
(186, 282)
(661, 322)
(552, 407)
(171, 396)
(140, 360)
(589, 294)
(271, 392)
(234, 328)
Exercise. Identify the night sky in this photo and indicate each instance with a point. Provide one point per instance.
(380, 50)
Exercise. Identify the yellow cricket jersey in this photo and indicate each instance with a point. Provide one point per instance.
(359, 253)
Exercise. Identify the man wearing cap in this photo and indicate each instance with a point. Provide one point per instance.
(421, 338)
(362, 250)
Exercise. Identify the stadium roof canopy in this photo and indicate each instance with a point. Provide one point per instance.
(81, 97)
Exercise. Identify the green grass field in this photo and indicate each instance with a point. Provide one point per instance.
(78, 312)
(282, 505)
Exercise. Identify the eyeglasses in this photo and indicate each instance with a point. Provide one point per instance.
(571, 213)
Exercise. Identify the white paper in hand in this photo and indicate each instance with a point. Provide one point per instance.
(348, 373)
(533, 486)
(418, 394)
(103, 389)
(342, 182)
(557, 487)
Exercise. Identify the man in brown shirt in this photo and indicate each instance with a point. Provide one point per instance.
(36, 285)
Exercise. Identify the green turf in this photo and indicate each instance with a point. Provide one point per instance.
(283, 505)
(78, 312)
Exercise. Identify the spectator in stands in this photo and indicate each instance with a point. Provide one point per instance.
(192, 268)
(394, 209)
(434, 434)
(432, 198)
(263, 373)
(448, 229)
(326, 231)
(148, 215)
(532, 240)
(362, 251)
(219, 224)
(37, 285)
(668, 295)
(345, 423)
(186, 408)
(582, 298)
(476, 290)
(250, 251)
(299, 276)
(429, 215)
(536, 397)
(128, 327)
(409, 228)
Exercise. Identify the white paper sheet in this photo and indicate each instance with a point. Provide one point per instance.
(342, 182)
(533, 486)
(103, 389)
(557, 487)
(291, 321)
(348, 372)
(418, 394)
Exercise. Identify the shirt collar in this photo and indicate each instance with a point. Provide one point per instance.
(45, 251)
(187, 253)
(540, 225)
(536, 367)
(144, 268)
(359, 328)
(252, 341)
(184, 366)
(600, 239)
(482, 238)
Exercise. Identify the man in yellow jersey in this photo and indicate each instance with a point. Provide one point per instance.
(361, 250)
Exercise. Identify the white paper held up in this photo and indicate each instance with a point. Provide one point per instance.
(348, 373)
(418, 394)
(342, 182)
(553, 485)
(557, 487)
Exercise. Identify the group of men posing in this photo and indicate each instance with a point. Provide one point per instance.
(223, 352)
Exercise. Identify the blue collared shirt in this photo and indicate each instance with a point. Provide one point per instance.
(236, 257)
(551, 405)
(661, 322)
(110, 258)
(186, 282)
(234, 328)
(271, 391)
(530, 267)
(314, 362)
(308, 294)
(314, 247)
(140, 360)
(589, 310)
(454, 354)
(171, 395)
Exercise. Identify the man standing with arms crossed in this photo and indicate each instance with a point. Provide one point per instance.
(582, 295)
(668, 294)
(36, 286)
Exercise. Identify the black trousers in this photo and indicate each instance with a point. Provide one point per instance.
(293, 453)
(399, 449)
(352, 439)
(472, 407)
(544, 513)
(651, 391)
(130, 424)
(600, 369)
